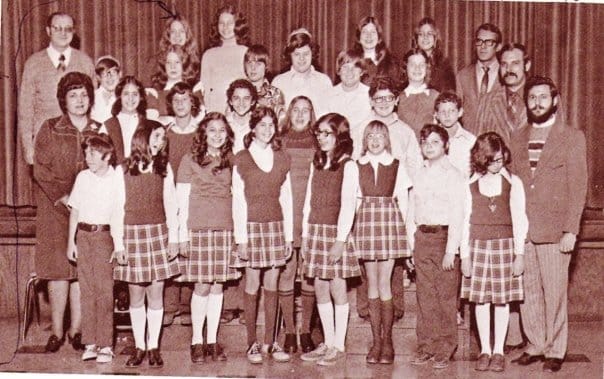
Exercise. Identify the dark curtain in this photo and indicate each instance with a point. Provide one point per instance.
(564, 40)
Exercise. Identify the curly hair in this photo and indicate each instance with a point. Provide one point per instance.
(257, 115)
(297, 41)
(199, 149)
(448, 97)
(141, 153)
(287, 122)
(242, 83)
(142, 105)
(485, 148)
(190, 45)
(341, 129)
(242, 31)
(384, 83)
(182, 88)
(190, 67)
(71, 81)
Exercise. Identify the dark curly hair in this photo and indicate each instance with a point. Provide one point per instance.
(297, 41)
(341, 129)
(190, 67)
(199, 149)
(485, 148)
(242, 83)
(141, 109)
(140, 152)
(182, 88)
(103, 144)
(242, 31)
(71, 81)
(257, 115)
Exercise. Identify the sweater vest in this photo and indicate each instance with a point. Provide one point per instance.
(386, 179)
(144, 199)
(326, 195)
(491, 216)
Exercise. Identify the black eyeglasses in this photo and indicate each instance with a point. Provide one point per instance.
(488, 42)
(382, 99)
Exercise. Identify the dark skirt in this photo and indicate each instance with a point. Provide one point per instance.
(208, 260)
(265, 246)
(492, 279)
(147, 254)
(320, 239)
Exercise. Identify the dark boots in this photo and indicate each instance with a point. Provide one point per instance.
(375, 317)
(387, 351)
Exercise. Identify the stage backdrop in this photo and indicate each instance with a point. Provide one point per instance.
(564, 40)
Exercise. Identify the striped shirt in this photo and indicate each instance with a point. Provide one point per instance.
(537, 137)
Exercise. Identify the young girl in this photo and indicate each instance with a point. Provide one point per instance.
(206, 229)
(223, 61)
(379, 232)
(427, 38)
(299, 142)
(150, 238)
(328, 216)
(493, 244)
(416, 102)
(262, 216)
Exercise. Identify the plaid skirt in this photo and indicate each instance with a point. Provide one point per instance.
(379, 231)
(265, 246)
(147, 254)
(208, 260)
(492, 279)
(320, 239)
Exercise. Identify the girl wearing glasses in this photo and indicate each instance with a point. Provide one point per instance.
(492, 247)
(327, 221)
(427, 38)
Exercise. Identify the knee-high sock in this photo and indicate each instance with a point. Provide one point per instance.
(214, 310)
(308, 306)
(271, 302)
(138, 319)
(502, 318)
(199, 308)
(286, 301)
(326, 315)
(483, 322)
(154, 322)
(341, 326)
(250, 307)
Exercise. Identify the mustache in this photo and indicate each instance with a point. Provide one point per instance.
(510, 74)
(537, 107)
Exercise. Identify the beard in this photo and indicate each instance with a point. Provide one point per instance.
(535, 119)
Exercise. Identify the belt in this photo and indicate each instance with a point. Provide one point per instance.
(93, 228)
(433, 228)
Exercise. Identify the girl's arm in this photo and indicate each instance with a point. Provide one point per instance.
(401, 189)
(464, 247)
(348, 200)
(306, 208)
(239, 208)
(171, 206)
(183, 191)
(519, 218)
(117, 216)
(287, 207)
(72, 250)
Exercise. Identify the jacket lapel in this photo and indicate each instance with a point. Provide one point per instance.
(553, 143)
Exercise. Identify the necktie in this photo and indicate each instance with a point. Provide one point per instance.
(484, 84)
(61, 67)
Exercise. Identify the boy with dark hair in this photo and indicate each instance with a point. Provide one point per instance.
(108, 75)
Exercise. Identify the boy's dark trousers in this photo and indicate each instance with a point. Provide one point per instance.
(436, 295)
(95, 275)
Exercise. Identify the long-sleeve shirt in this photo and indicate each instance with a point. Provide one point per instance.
(460, 146)
(264, 158)
(491, 185)
(103, 102)
(312, 84)
(347, 200)
(354, 104)
(438, 198)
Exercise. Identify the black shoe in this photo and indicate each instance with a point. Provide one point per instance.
(76, 341)
(227, 316)
(155, 360)
(136, 358)
(216, 351)
(198, 354)
(526, 359)
(552, 364)
(291, 344)
(54, 344)
(364, 316)
(511, 348)
(306, 343)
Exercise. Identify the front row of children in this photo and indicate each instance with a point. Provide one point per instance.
(229, 212)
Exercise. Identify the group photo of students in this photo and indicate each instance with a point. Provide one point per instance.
(208, 181)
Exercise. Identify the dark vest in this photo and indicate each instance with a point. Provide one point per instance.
(491, 217)
(326, 193)
(384, 187)
(144, 199)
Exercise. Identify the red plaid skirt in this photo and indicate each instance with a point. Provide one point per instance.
(379, 231)
(265, 246)
(320, 239)
(492, 279)
(147, 254)
(208, 260)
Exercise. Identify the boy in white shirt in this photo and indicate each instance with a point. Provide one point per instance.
(108, 75)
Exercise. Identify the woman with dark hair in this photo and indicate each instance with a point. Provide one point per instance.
(223, 61)
(58, 157)
(427, 38)
(378, 60)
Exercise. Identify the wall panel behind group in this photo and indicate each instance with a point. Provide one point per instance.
(564, 41)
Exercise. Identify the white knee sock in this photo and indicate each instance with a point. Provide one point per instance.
(502, 319)
(326, 315)
(214, 310)
(199, 307)
(138, 320)
(341, 326)
(483, 322)
(154, 321)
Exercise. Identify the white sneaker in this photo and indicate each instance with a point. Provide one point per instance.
(316, 354)
(276, 352)
(89, 353)
(254, 355)
(331, 357)
(105, 355)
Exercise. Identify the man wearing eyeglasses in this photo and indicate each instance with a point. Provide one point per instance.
(477, 79)
(41, 74)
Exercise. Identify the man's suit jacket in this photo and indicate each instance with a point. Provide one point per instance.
(556, 193)
(492, 114)
(467, 89)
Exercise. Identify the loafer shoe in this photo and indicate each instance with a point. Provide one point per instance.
(482, 364)
(76, 341)
(54, 344)
(526, 359)
(155, 359)
(198, 354)
(136, 359)
(216, 351)
(497, 363)
(552, 364)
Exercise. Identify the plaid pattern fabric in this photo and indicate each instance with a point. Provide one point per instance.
(147, 253)
(208, 260)
(379, 231)
(492, 279)
(320, 239)
(265, 246)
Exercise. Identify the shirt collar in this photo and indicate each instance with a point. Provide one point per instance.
(295, 74)
(443, 163)
(383, 158)
(192, 127)
(54, 55)
(417, 90)
(462, 133)
(255, 148)
(65, 122)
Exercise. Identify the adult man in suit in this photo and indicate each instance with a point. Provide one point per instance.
(503, 110)
(477, 79)
(41, 74)
(550, 158)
